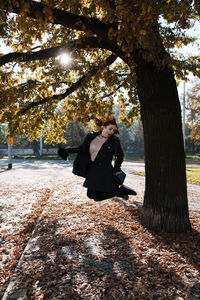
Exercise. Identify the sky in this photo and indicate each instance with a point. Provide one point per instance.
(191, 49)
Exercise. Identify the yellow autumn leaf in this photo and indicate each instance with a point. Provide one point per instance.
(142, 32)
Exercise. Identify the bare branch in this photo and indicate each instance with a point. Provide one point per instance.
(121, 74)
(112, 93)
(73, 87)
(36, 47)
(82, 43)
(112, 4)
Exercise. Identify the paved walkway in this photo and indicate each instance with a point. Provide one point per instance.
(44, 208)
(40, 171)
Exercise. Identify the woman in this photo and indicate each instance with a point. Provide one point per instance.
(94, 162)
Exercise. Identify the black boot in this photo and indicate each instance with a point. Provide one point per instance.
(121, 194)
(127, 190)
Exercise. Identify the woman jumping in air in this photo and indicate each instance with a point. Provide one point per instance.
(94, 162)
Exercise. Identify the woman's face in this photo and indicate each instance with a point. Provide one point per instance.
(108, 130)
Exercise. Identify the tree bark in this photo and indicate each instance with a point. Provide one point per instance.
(165, 205)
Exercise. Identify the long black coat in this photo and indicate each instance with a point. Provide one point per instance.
(98, 174)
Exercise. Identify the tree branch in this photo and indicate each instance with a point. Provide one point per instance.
(38, 10)
(112, 4)
(73, 87)
(110, 94)
(82, 43)
(121, 74)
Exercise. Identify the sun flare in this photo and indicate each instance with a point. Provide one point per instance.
(65, 59)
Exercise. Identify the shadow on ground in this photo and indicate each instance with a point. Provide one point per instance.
(73, 264)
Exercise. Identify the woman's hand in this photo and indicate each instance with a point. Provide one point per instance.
(117, 173)
(63, 153)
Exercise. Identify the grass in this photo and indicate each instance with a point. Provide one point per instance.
(140, 156)
(195, 157)
(134, 156)
(140, 173)
(193, 174)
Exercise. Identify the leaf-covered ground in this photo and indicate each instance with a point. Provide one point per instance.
(81, 249)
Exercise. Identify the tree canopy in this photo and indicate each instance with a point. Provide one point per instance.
(105, 39)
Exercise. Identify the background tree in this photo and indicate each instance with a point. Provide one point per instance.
(137, 132)
(138, 36)
(75, 133)
(193, 106)
(192, 145)
(3, 139)
(125, 137)
(36, 148)
(125, 133)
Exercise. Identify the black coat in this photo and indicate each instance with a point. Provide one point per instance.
(98, 174)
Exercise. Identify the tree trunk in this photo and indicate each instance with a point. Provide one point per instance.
(165, 205)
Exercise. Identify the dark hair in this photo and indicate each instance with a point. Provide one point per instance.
(108, 121)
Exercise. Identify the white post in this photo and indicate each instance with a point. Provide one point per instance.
(9, 156)
(41, 142)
